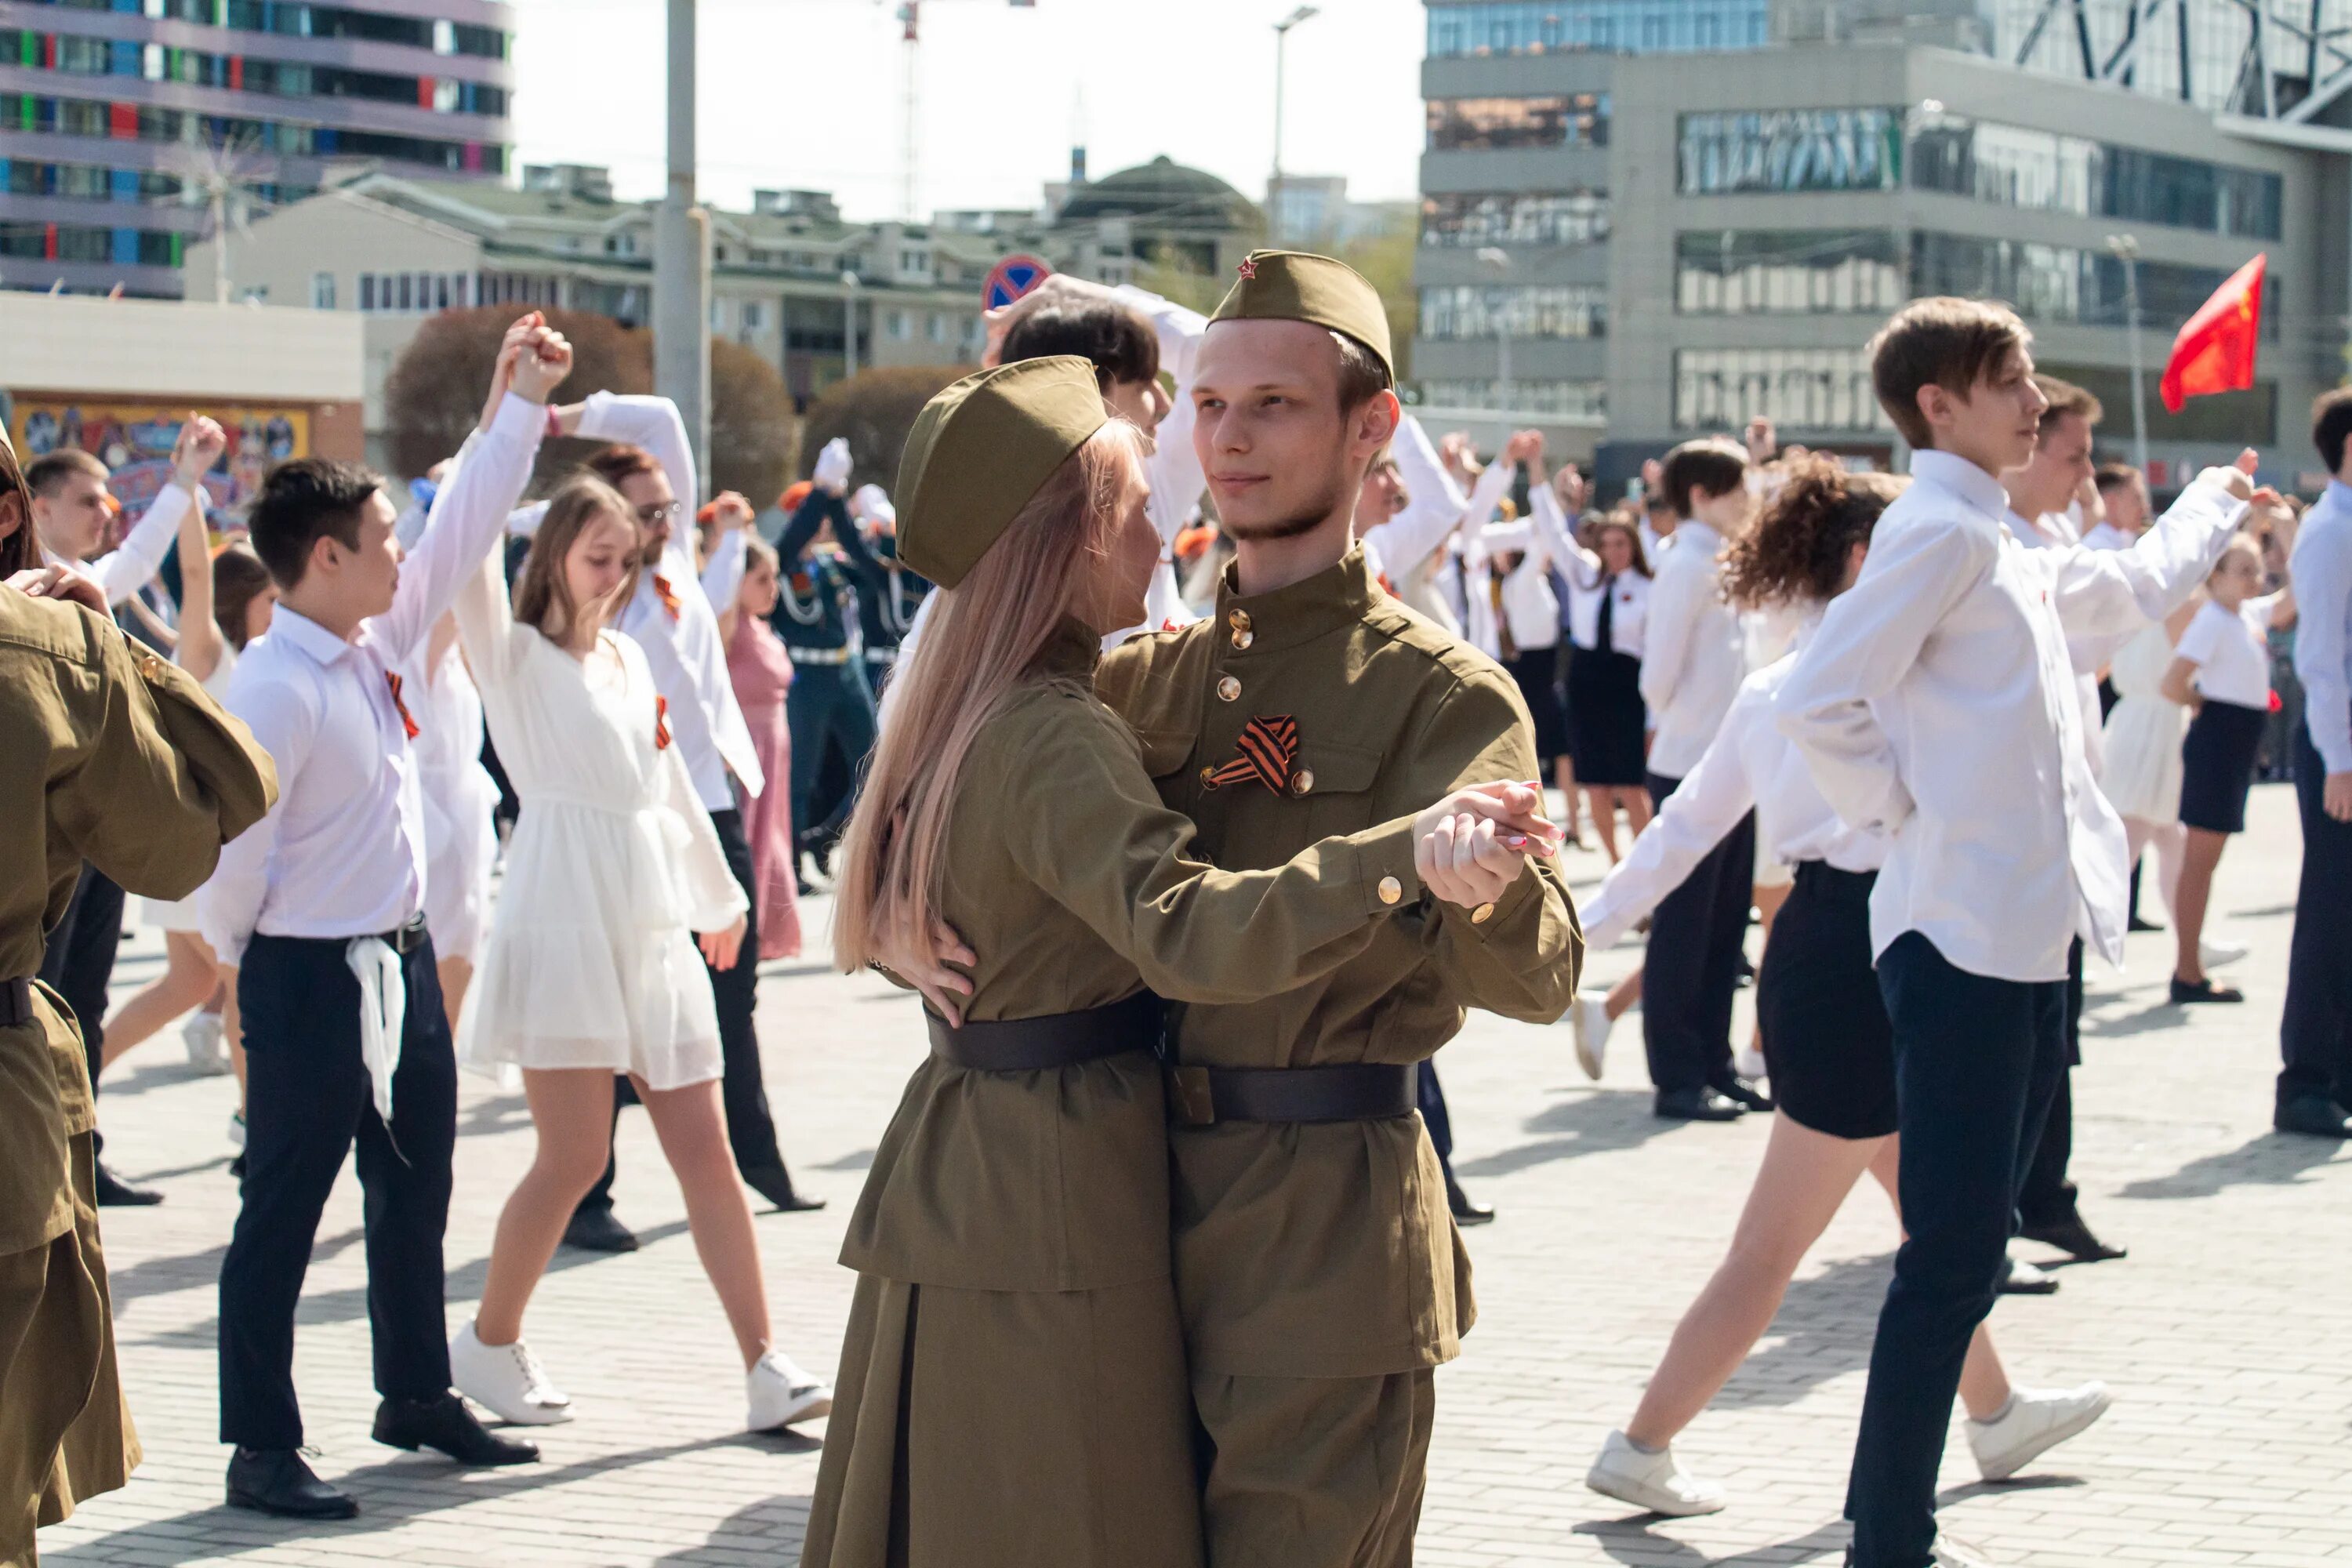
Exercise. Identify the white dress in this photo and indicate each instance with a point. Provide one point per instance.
(590, 960)
(180, 914)
(461, 837)
(2141, 771)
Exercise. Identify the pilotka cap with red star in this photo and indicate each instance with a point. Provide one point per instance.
(1297, 286)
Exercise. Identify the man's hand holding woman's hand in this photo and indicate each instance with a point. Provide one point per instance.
(1468, 848)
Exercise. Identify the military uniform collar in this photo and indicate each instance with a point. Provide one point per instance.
(1073, 649)
(1312, 607)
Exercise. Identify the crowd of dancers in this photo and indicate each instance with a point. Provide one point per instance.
(1178, 724)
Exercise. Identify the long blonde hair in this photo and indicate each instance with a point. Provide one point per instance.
(543, 597)
(981, 646)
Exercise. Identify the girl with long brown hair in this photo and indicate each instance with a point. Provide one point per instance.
(1013, 1382)
(1827, 1040)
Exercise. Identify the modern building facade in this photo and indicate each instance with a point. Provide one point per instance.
(1644, 221)
(120, 121)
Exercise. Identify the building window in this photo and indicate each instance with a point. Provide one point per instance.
(2039, 169)
(1779, 151)
(322, 290)
(2061, 283)
(939, 328)
(1796, 389)
(755, 316)
(914, 263)
(1818, 272)
(1549, 310)
(1561, 26)
(1564, 119)
(1471, 220)
(899, 327)
(1561, 399)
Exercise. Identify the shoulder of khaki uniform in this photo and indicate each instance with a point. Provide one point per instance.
(1402, 624)
(60, 628)
(218, 746)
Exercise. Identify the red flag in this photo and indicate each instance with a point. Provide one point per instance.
(2215, 351)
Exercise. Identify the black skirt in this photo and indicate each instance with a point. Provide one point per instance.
(1827, 1040)
(1605, 718)
(2217, 765)
(1538, 672)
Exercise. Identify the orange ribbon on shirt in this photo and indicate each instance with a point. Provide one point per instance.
(1265, 751)
(661, 723)
(661, 592)
(408, 721)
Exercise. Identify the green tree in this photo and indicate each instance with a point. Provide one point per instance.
(875, 409)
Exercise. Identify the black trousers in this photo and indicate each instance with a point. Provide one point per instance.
(1430, 1097)
(1975, 1063)
(751, 1128)
(78, 962)
(830, 707)
(2048, 1195)
(307, 1101)
(1691, 969)
(2315, 1029)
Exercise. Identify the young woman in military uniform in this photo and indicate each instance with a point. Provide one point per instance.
(1012, 1387)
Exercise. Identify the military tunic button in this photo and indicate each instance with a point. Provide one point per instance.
(1239, 620)
(1243, 639)
(1482, 914)
(1390, 889)
(1209, 777)
(1230, 688)
(1302, 781)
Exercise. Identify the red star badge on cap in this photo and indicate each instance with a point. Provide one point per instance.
(1249, 267)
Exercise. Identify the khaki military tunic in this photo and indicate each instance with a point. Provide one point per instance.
(106, 753)
(1012, 1390)
(1326, 1250)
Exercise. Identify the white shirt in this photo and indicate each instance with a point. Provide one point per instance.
(2232, 651)
(2321, 568)
(2089, 655)
(683, 650)
(130, 565)
(1937, 704)
(1750, 766)
(1173, 468)
(1530, 609)
(1407, 548)
(1588, 585)
(2106, 536)
(342, 853)
(1692, 657)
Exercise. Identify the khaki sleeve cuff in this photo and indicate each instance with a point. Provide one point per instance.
(1486, 920)
(1384, 868)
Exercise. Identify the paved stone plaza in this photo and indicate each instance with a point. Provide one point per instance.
(2227, 1334)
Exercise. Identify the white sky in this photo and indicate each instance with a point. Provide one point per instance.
(806, 93)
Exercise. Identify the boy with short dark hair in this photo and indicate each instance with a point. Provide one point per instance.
(1935, 703)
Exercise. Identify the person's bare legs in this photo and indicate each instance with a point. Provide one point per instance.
(692, 1128)
(1563, 773)
(1601, 805)
(456, 974)
(2170, 843)
(1623, 995)
(572, 1109)
(189, 979)
(1637, 801)
(1984, 1382)
(2204, 853)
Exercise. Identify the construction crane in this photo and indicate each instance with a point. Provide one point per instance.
(910, 14)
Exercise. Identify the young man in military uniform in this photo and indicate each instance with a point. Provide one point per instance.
(816, 618)
(1311, 1359)
(106, 752)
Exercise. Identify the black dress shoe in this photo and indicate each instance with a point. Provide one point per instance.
(2139, 924)
(775, 1183)
(277, 1480)
(2071, 1236)
(2021, 1278)
(595, 1230)
(2313, 1115)
(2186, 992)
(1743, 1092)
(114, 1193)
(1697, 1105)
(446, 1425)
(1465, 1211)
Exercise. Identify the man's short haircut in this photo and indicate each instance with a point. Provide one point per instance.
(2113, 476)
(1120, 343)
(2066, 398)
(2331, 422)
(1712, 465)
(622, 461)
(47, 474)
(302, 502)
(1363, 374)
(1940, 341)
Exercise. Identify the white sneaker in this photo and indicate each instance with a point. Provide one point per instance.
(202, 1035)
(505, 1380)
(1653, 1482)
(2037, 1420)
(2213, 954)
(1748, 1063)
(236, 1129)
(1588, 1015)
(780, 1393)
(1951, 1554)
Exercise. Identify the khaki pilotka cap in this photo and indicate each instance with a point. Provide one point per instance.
(981, 449)
(1295, 285)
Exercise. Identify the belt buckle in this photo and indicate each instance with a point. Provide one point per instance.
(1190, 1096)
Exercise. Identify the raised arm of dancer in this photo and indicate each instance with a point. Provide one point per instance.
(2115, 591)
(1713, 797)
(1579, 565)
(201, 642)
(1434, 505)
(131, 565)
(722, 574)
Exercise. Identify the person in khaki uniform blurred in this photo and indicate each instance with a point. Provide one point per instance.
(1011, 1389)
(110, 754)
(1319, 1274)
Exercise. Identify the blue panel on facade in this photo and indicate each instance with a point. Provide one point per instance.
(126, 247)
(122, 184)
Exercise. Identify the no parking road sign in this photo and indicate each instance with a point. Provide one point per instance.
(1011, 278)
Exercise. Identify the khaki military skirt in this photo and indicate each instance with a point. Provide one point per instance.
(1008, 1430)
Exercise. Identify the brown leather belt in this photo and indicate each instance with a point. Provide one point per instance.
(1052, 1040)
(16, 1002)
(1346, 1092)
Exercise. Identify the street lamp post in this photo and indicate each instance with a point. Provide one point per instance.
(849, 324)
(1498, 261)
(1281, 50)
(681, 292)
(2125, 247)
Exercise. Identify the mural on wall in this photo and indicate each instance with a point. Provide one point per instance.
(134, 441)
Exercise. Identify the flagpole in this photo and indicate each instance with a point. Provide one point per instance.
(2127, 249)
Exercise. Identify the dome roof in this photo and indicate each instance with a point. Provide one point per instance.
(1165, 191)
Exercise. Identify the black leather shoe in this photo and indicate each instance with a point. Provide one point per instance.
(1465, 1211)
(446, 1425)
(1697, 1105)
(1743, 1092)
(775, 1183)
(2185, 992)
(2315, 1116)
(2021, 1278)
(114, 1193)
(595, 1230)
(2138, 924)
(277, 1480)
(2071, 1236)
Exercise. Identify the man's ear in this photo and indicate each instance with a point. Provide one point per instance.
(322, 556)
(1380, 419)
(1935, 402)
